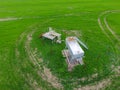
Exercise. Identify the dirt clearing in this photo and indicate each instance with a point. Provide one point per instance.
(8, 19)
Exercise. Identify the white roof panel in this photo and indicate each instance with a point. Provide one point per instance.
(74, 46)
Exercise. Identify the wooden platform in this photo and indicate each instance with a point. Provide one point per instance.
(71, 64)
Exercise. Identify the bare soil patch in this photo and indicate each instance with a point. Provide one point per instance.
(46, 73)
(8, 19)
(48, 76)
(97, 86)
(72, 32)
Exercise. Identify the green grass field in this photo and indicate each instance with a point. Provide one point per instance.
(28, 62)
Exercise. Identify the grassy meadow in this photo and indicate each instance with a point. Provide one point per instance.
(23, 61)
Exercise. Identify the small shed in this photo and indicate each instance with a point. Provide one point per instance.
(74, 53)
(52, 35)
(74, 48)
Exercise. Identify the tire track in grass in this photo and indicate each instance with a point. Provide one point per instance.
(28, 78)
(116, 69)
(41, 17)
(7, 19)
(102, 28)
(105, 29)
(53, 81)
(46, 73)
(101, 24)
(104, 14)
(112, 32)
(97, 86)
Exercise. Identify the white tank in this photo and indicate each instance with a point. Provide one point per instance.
(74, 48)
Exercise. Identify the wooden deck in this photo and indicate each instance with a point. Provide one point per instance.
(71, 64)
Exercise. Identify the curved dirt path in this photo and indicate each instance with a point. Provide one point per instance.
(108, 27)
(45, 74)
(104, 14)
(8, 19)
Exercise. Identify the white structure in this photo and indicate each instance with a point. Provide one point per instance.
(74, 48)
(52, 35)
(74, 53)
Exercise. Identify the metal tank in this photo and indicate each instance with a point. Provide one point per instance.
(76, 52)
